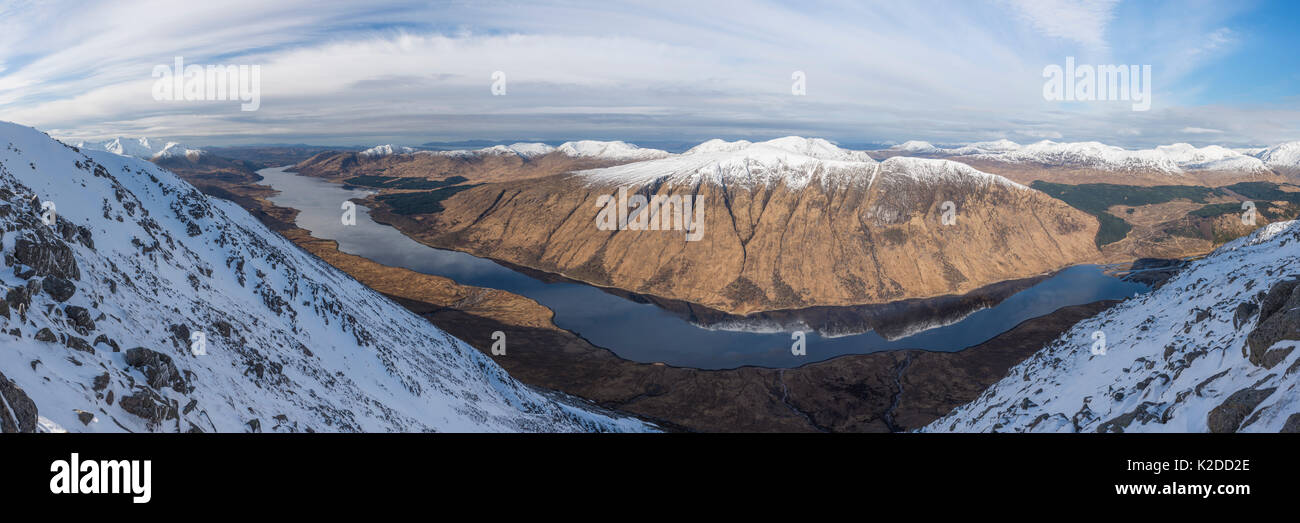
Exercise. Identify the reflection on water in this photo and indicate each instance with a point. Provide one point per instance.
(691, 336)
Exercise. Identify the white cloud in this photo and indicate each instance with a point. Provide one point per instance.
(1048, 135)
(408, 72)
(1082, 21)
(1200, 130)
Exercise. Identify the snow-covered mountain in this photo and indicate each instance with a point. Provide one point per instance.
(916, 146)
(793, 161)
(608, 150)
(146, 148)
(524, 149)
(105, 307)
(386, 150)
(1210, 350)
(1283, 157)
(616, 150)
(1175, 160)
(1172, 160)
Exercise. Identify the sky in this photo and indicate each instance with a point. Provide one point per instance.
(365, 73)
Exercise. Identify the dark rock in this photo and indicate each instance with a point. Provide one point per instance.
(101, 382)
(150, 406)
(46, 256)
(103, 338)
(1226, 417)
(1279, 319)
(1245, 310)
(1276, 356)
(80, 319)
(157, 368)
(46, 335)
(19, 299)
(180, 334)
(1276, 297)
(23, 408)
(76, 343)
(85, 417)
(58, 288)
(1292, 425)
(1146, 412)
(223, 327)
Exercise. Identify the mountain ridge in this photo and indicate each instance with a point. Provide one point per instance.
(140, 262)
(1211, 350)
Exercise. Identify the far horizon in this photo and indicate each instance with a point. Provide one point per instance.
(671, 146)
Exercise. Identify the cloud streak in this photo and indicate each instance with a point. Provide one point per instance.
(342, 73)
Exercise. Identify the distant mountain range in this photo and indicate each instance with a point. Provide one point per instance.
(1080, 162)
(145, 148)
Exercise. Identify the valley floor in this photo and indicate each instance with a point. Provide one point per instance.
(879, 392)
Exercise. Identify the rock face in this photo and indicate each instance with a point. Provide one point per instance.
(786, 224)
(1279, 320)
(17, 411)
(232, 325)
(1212, 350)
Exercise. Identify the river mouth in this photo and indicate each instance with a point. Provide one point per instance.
(655, 330)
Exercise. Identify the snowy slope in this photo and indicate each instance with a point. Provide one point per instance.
(1210, 350)
(793, 160)
(1283, 157)
(139, 258)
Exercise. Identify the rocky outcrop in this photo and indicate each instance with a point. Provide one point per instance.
(1228, 415)
(46, 255)
(157, 368)
(1279, 319)
(17, 410)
